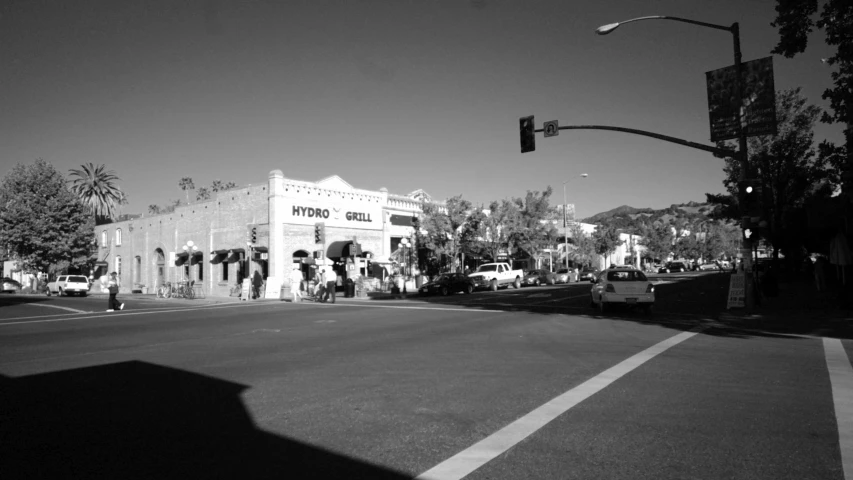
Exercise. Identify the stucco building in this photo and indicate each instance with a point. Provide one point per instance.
(281, 214)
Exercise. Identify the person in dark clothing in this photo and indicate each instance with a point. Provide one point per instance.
(257, 282)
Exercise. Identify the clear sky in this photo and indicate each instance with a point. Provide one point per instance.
(384, 93)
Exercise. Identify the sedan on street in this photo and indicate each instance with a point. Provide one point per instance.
(587, 274)
(538, 277)
(448, 283)
(9, 285)
(671, 267)
(622, 287)
(562, 275)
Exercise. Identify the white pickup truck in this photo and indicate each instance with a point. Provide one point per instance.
(494, 275)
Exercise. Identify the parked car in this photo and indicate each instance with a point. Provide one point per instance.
(710, 266)
(538, 277)
(448, 283)
(562, 275)
(671, 267)
(68, 285)
(622, 287)
(494, 275)
(587, 274)
(9, 285)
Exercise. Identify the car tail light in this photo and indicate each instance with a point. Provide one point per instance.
(650, 288)
(609, 288)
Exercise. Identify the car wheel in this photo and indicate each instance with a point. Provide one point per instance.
(469, 289)
(444, 291)
(493, 285)
(517, 283)
(647, 309)
(602, 306)
(60, 294)
(536, 283)
(552, 281)
(47, 292)
(592, 301)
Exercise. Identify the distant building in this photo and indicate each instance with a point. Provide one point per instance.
(282, 213)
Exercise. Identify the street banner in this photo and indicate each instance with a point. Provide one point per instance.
(568, 214)
(737, 291)
(758, 105)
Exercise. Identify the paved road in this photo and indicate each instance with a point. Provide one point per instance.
(526, 383)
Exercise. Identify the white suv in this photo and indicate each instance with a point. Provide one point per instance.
(68, 284)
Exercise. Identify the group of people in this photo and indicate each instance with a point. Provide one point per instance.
(325, 282)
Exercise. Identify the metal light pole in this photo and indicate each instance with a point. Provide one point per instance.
(566, 219)
(190, 248)
(743, 154)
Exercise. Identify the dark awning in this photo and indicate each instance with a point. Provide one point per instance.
(338, 249)
(261, 249)
(222, 251)
(236, 254)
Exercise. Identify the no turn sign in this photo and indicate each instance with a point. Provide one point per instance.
(551, 128)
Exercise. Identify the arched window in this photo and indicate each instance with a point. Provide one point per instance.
(118, 237)
(104, 239)
(118, 265)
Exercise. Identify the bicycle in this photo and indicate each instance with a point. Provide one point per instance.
(164, 290)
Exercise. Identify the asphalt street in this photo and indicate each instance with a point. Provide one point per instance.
(527, 383)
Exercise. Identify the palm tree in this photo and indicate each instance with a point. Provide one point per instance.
(154, 209)
(187, 184)
(202, 194)
(96, 188)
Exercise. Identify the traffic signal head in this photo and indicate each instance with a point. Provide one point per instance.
(254, 235)
(749, 196)
(319, 233)
(528, 137)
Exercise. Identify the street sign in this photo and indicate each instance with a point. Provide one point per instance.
(552, 128)
(737, 291)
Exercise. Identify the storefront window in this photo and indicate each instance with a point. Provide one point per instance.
(224, 271)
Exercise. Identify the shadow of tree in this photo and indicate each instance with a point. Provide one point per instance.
(139, 420)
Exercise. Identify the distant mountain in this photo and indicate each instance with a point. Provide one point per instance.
(630, 218)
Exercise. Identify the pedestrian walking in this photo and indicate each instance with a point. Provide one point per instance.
(296, 284)
(113, 285)
(331, 283)
(320, 289)
(257, 283)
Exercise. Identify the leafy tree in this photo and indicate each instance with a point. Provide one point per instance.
(606, 240)
(154, 209)
(494, 227)
(795, 23)
(657, 239)
(787, 168)
(218, 186)
(445, 226)
(584, 247)
(43, 224)
(529, 233)
(186, 185)
(96, 188)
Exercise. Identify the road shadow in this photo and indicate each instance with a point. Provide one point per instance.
(682, 305)
(18, 299)
(138, 420)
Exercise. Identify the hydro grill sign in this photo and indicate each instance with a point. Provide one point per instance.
(338, 215)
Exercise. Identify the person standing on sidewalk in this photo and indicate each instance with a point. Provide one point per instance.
(113, 285)
(331, 279)
(296, 284)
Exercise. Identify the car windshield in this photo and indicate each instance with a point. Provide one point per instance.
(78, 279)
(443, 277)
(626, 276)
(562, 270)
(487, 268)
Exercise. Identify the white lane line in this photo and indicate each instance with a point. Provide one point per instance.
(477, 455)
(330, 305)
(56, 306)
(841, 377)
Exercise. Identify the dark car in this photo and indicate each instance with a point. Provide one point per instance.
(587, 274)
(448, 283)
(538, 277)
(671, 267)
(10, 285)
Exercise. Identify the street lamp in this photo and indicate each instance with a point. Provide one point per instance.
(566, 219)
(190, 248)
(743, 154)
